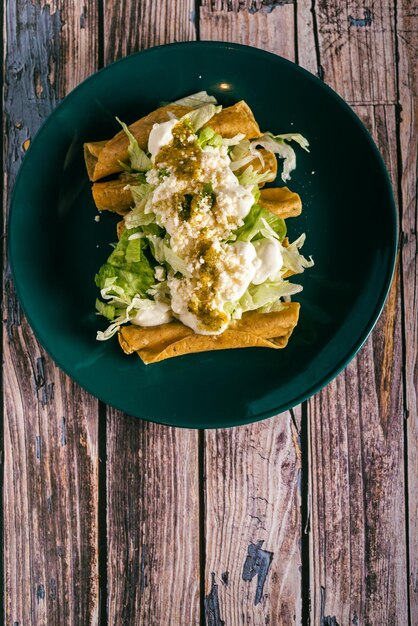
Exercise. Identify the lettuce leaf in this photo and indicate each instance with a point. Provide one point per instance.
(250, 177)
(139, 160)
(164, 254)
(199, 117)
(293, 260)
(107, 310)
(196, 100)
(127, 272)
(254, 224)
(266, 294)
(278, 144)
(141, 195)
(208, 137)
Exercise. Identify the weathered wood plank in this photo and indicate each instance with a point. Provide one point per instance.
(357, 482)
(50, 433)
(268, 25)
(351, 45)
(153, 523)
(356, 466)
(150, 24)
(253, 524)
(152, 470)
(252, 507)
(407, 23)
(50, 495)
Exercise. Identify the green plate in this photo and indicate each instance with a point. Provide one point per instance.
(349, 218)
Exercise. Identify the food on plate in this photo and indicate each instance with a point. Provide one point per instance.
(203, 259)
(254, 329)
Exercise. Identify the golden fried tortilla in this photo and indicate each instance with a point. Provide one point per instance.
(281, 201)
(254, 329)
(235, 119)
(102, 157)
(114, 195)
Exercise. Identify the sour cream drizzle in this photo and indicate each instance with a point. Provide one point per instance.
(200, 202)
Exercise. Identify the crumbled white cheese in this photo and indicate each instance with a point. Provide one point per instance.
(159, 273)
(217, 214)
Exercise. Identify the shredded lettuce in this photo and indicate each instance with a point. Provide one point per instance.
(196, 100)
(139, 160)
(293, 260)
(208, 137)
(300, 139)
(107, 310)
(127, 272)
(123, 314)
(153, 229)
(139, 216)
(250, 177)
(230, 142)
(199, 117)
(240, 150)
(266, 294)
(244, 153)
(278, 145)
(255, 222)
(164, 254)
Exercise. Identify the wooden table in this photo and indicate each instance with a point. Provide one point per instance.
(310, 515)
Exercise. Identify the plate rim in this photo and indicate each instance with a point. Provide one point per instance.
(380, 301)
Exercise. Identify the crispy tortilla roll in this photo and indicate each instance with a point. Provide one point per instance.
(102, 157)
(114, 195)
(264, 330)
(236, 119)
(92, 150)
(281, 201)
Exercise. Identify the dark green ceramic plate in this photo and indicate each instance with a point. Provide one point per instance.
(349, 218)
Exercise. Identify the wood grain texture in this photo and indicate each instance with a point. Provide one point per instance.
(253, 523)
(357, 454)
(252, 506)
(50, 497)
(50, 425)
(152, 470)
(150, 24)
(153, 522)
(267, 25)
(350, 45)
(356, 466)
(407, 25)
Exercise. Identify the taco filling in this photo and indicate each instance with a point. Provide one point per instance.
(203, 261)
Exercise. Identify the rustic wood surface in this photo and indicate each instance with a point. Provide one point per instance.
(309, 517)
(50, 497)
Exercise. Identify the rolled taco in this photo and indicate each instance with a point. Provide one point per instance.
(102, 157)
(114, 195)
(234, 120)
(281, 201)
(254, 329)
